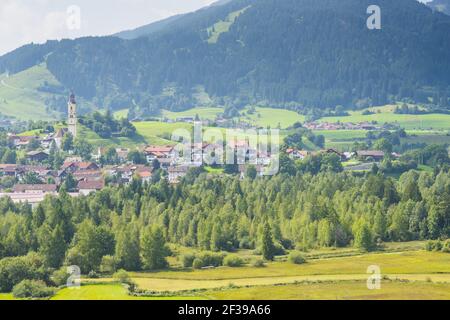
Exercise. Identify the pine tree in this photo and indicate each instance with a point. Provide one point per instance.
(268, 248)
(153, 249)
(128, 249)
(363, 236)
(52, 245)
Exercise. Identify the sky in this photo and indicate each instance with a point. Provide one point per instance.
(26, 21)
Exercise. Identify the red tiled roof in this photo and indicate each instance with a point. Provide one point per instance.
(88, 173)
(80, 165)
(86, 165)
(155, 149)
(21, 188)
(91, 185)
(144, 174)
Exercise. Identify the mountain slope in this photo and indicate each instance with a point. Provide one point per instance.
(440, 5)
(296, 54)
(148, 29)
(23, 95)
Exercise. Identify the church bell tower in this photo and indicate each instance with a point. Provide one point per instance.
(72, 115)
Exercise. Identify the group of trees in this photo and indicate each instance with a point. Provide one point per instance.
(296, 136)
(106, 126)
(78, 146)
(128, 226)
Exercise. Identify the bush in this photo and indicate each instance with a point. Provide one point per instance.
(208, 259)
(429, 245)
(59, 277)
(446, 247)
(188, 260)
(93, 275)
(433, 245)
(296, 258)
(438, 246)
(108, 265)
(32, 289)
(258, 263)
(122, 276)
(233, 261)
(278, 249)
(14, 270)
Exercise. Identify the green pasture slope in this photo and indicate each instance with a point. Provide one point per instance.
(262, 117)
(20, 97)
(385, 114)
(203, 113)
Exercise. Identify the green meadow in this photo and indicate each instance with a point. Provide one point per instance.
(261, 117)
(344, 290)
(386, 115)
(20, 97)
(203, 113)
(329, 273)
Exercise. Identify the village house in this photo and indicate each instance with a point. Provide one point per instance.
(297, 154)
(88, 175)
(10, 170)
(341, 126)
(186, 119)
(126, 172)
(122, 154)
(365, 155)
(176, 173)
(58, 136)
(35, 188)
(46, 143)
(159, 152)
(41, 171)
(144, 173)
(71, 167)
(333, 151)
(88, 187)
(21, 141)
(37, 156)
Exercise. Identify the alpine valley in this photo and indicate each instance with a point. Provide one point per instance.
(292, 54)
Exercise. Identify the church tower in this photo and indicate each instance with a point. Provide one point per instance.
(72, 115)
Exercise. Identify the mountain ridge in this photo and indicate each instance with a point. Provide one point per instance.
(298, 55)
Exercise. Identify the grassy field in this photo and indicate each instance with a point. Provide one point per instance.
(343, 139)
(407, 273)
(105, 292)
(223, 26)
(97, 141)
(262, 117)
(410, 262)
(20, 97)
(159, 133)
(345, 290)
(203, 113)
(270, 117)
(385, 115)
(120, 114)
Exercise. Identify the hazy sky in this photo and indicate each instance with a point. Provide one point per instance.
(25, 21)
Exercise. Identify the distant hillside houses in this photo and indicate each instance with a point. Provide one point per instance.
(368, 126)
(39, 174)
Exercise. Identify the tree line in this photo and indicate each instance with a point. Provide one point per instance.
(128, 226)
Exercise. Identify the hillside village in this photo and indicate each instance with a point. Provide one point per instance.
(39, 173)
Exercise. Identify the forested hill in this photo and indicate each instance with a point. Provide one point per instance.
(285, 53)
